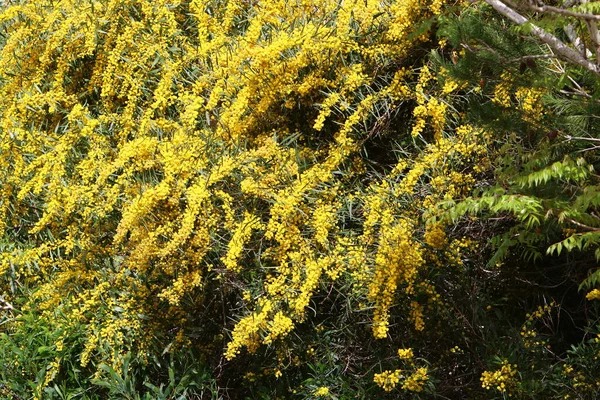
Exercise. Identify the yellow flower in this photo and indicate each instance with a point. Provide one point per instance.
(503, 380)
(435, 236)
(415, 381)
(387, 379)
(405, 354)
(593, 295)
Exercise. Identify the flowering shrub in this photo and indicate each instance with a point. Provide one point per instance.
(277, 191)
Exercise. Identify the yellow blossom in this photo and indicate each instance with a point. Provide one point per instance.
(405, 354)
(593, 295)
(388, 379)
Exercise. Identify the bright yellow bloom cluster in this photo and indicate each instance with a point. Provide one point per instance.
(528, 99)
(241, 235)
(531, 103)
(322, 391)
(405, 354)
(502, 91)
(503, 380)
(531, 337)
(435, 236)
(388, 379)
(397, 261)
(593, 295)
(449, 84)
(415, 381)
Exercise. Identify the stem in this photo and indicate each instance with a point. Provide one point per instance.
(560, 48)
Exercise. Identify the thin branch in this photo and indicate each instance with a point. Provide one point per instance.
(560, 48)
(576, 40)
(487, 47)
(577, 93)
(532, 57)
(568, 137)
(584, 226)
(577, 85)
(594, 35)
(593, 148)
(5, 305)
(546, 9)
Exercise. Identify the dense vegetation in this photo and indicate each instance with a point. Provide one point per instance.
(234, 199)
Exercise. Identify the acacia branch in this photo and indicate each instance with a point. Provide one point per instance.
(560, 48)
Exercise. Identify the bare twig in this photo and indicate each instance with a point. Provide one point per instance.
(594, 35)
(532, 57)
(576, 93)
(546, 9)
(583, 226)
(576, 40)
(5, 305)
(559, 47)
(487, 47)
(593, 148)
(568, 137)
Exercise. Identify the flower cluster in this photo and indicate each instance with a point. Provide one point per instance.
(405, 354)
(322, 391)
(388, 379)
(415, 381)
(593, 295)
(503, 380)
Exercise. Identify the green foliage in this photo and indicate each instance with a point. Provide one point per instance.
(591, 8)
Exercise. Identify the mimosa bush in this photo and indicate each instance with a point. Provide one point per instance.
(233, 179)
(158, 153)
